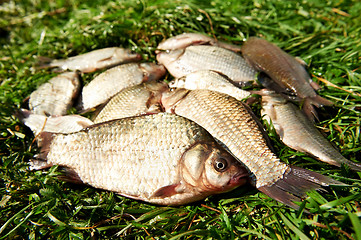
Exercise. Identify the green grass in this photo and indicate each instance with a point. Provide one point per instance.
(35, 205)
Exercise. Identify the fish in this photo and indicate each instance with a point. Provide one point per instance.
(91, 61)
(112, 81)
(298, 132)
(57, 124)
(289, 75)
(56, 96)
(133, 101)
(186, 39)
(236, 128)
(181, 62)
(157, 158)
(211, 80)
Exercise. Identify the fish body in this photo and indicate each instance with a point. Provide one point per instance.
(57, 124)
(133, 101)
(186, 39)
(181, 62)
(159, 158)
(94, 60)
(112, 81)
(56, 96)
(232, 124)
(285, 70)
(211, 80)
(298, 132)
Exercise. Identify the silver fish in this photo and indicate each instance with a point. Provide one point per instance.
(211, 80)
(286, 72)
(159, 158)
(112, 81)
(181, 62)
(133, 101)
(186, 39)
(298, 132)
(56, 96)
(57, 124)
(92, 61)
(232, 123)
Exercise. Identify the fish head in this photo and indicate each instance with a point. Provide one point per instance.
(209, 168)
(152, 71)
(169, 56)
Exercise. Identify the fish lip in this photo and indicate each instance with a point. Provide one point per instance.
(239, 179)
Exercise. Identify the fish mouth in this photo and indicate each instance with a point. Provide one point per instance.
(239, 178)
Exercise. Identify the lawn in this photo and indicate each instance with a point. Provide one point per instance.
(36, 205)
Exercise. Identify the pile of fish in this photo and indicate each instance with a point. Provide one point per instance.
(180, 142)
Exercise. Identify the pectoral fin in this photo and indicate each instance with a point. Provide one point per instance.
(167, 191)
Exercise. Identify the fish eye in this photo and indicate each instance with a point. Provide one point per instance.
(220, 164)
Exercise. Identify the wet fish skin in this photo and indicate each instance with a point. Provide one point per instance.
(284, 70)
(181, 62)
(298, 132)
(133, 101)
(211, 80)
(186, 39)
(232, 124)
(56, 96)
(112, 81)
(92, 61)
(145, 158)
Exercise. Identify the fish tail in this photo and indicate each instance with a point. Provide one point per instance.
(354, 166)
(33, 121)
(319, 101)
(46, 62)
(309, 103)
(295, 184)
(43, 62)
(39, 161)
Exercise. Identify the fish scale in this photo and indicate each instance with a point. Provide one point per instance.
(128, 150)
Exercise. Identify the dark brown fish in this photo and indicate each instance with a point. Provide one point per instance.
(286, 72)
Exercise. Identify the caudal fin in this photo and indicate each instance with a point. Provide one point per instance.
(39, 161)
(293, 187)
(309, 103)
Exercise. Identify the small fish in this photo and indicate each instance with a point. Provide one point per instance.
(133, 101)
(56, 96)
(186, 39)
(57, 124)
(92, 61)
(232, 123)
(298, 132)
(159, 158)
(211, 80)
(112, 81)
(181, 62)
(285, 70)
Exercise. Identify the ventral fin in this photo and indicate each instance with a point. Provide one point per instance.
(70, 176)
(167, 191)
